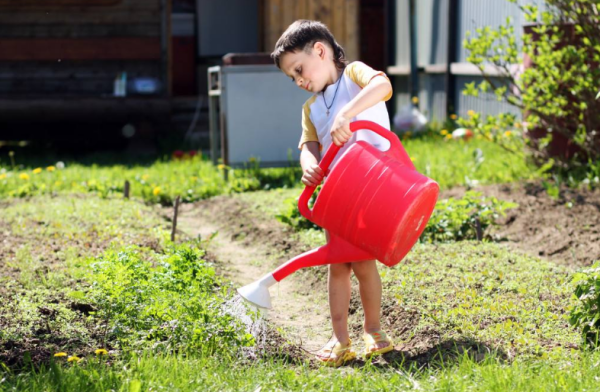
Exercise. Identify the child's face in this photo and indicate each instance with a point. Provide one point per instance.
(307, 70)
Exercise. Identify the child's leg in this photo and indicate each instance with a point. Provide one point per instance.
(338, 285)
(370, 294)
(339, 300)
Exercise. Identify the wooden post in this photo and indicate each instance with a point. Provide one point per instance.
(126, 189)
(175, 219)
(478, 230)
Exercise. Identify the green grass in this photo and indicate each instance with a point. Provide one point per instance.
(511, 303)
(448, 162)
(452, 162)
(193, 373)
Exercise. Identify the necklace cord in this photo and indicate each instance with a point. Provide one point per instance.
(339, 81)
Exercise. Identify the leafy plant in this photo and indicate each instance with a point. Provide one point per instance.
(557, 94)
(173, 302)
(465, 218)
(585, 315)
(291, 216)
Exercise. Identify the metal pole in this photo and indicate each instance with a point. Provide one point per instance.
(414, 71)
(450, 82)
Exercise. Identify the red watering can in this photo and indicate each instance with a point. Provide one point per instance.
(374, 204)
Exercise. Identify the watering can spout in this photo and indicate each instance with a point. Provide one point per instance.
(336, 251)
(257, 292)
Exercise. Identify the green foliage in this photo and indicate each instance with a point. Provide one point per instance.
(585, 315)
(291, 214)
(458, 219)
(557, 94)
(161, 182)
(171, 303)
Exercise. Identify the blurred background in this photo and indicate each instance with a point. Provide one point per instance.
(152, 76)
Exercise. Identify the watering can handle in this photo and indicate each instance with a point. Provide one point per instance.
(396, 151)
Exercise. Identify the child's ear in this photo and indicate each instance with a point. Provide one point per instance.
(320, 48)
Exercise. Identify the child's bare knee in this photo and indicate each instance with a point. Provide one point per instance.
(340, 269)
(364, 268)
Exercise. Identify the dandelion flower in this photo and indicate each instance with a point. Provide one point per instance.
(221, 166)
(145, 177)
(24, 176)
(156, 191)
(73, 358)
(37, 170)
(51, 168)
(415, 100)
(471, 113)
(453, 116)
(101, 351)
(2, 176)
(507, 133)
(61, 354)
(449, 136)
(444, 132)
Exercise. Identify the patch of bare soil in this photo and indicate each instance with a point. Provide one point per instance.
(32, 317)
(249, 246)
(565, 230)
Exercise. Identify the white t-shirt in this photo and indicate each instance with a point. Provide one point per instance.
(316, 123)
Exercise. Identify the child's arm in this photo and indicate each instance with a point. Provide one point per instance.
(374, 92)
(309, 160)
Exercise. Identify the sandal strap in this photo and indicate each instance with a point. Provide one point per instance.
(337, 349)
(375, 337)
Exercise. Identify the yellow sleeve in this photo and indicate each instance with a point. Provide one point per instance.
(362, 74)
(309, 132)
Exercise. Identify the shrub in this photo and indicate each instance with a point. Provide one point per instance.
(557, 94)
(461, 219)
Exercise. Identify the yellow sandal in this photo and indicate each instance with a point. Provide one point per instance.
(371, 339)
(335, 354)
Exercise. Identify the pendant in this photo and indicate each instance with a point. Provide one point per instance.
(328, 112)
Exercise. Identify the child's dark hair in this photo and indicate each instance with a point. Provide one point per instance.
(302, 35)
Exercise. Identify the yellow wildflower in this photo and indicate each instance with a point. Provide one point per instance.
(101, 351)
(156, 191)
(61, 354)
(449, 136)
(37, 170)
(507, 133)
(517, 125)
(444, 132)
(145, 177)
(453, 116)
(24, 176)
(412, 159)
(471, 113)
(221, 166)
(51, 168)
(2, 176)
(415, 100)
(73, 358)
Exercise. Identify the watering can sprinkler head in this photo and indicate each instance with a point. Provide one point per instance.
(257, 293)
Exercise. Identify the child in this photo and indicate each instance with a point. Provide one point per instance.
(308, 53)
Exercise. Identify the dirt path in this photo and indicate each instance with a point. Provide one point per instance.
(247, 249)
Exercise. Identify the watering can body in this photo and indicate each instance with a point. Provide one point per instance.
(374, 204)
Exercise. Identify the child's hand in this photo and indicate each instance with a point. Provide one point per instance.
(340, 131)
(313, 176)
